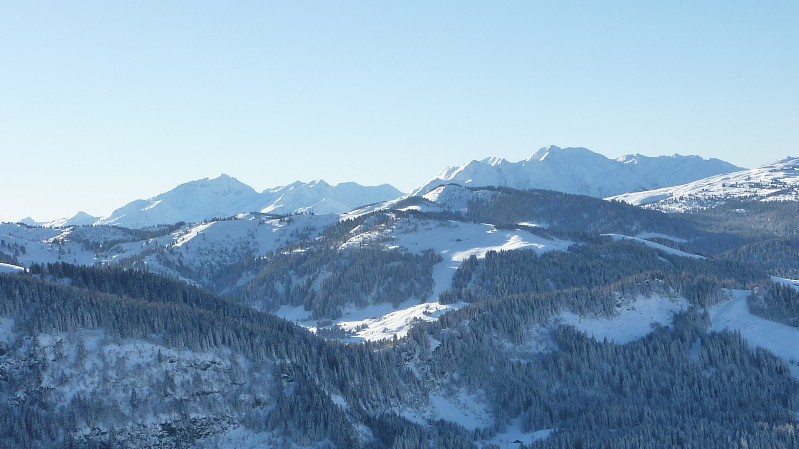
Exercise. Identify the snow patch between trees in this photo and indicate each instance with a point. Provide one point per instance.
(634, 320)
(653, 245)
(8, 268)
(778, 338)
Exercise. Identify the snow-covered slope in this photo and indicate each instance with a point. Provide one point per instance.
(206, 248)
(778, 181)
(778, 338)
(580, 171)
(193, 201)
(8, 268)
(79, 219)
(319, 197)
(655, 245)
(225, 196)
(633, 319)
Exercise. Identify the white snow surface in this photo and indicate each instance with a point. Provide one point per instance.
(202, 245)
(240, 437)
(456, 241)
(452, 196)
(650, 235)
(657, 246)
(43, 245)
(6, 330)
(466, 408)
(461, 408)
(778, 338)
(634, 319)
(8, 268)
(79, 219)
(580, 171)
(778, 181)
(789, 282)
(394, 323)
(508, 438)
(225, 196)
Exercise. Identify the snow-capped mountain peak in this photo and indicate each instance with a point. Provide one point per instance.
(205, 198)
(629, 158)
(580, 171)
(79, 219)
(219, 185)
(493, 161)
(225, 196)
(544, 152)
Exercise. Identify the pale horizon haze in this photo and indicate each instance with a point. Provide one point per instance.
(102, 103)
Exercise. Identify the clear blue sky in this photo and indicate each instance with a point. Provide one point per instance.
(105, 102)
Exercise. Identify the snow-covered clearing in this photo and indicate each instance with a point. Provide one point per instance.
(240, 437)
(8, 268)
(427, 208)
(634, 320)
(456, 241)
(650, 235)
(6, 330)
(398, 322)
(778, 338)
(789, 282)
(374, 322)
(192, 233)
(513, 434)
(532, 225)
(657, 246)
(460, 406)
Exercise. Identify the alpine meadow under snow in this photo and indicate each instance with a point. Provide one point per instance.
(501, 305)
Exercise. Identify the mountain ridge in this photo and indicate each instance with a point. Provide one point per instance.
(575, 170)
(777, 181)
(579, 170)
(225, 196)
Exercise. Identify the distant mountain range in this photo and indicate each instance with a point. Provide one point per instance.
(568, 170)
(778, 181)
(225, 196)
(581, 171)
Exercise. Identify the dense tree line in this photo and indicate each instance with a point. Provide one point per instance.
(114, 235)
(776, 302)
(597, 264)
(324, 281)
(566, 212)
(778, 256)
(750, 219)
